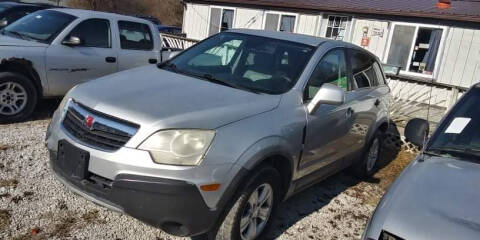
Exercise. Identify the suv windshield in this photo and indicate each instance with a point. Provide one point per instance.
(246, 62)
(459, 134)
(42, 26)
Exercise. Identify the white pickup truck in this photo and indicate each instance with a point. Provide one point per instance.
(48, 52)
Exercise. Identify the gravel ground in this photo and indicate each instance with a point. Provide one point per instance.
(33, 205)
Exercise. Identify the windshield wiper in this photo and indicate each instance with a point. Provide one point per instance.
(455, 152)
(22, 36)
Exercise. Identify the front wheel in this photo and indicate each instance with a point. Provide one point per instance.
(18, 97)
(254, 207)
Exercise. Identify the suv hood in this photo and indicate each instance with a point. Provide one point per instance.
(159, 99)
(434, 199)
(16, 42)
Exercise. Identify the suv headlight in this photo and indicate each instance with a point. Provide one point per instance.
(178, 147)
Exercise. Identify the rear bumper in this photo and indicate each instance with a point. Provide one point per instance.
(175, 206)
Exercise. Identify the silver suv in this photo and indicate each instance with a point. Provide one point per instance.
(210, 142)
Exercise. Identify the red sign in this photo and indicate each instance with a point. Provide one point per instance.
(365, 41)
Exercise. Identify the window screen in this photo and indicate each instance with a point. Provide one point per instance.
(287, 24)
(215, 15)
(271, 22)
(227, 20)
(400, 46)
(93, 33)
(331, 69)
(135, 36)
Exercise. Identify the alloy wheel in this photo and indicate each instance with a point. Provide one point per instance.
(373, 153)
(256, 212)
(13, 98)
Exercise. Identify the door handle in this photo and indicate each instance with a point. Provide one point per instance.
(152, 61)
(110, 59)
(377, 103)
(349, 113)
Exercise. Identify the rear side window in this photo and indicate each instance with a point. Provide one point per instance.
(135, 36)
(331, 69)
(93, 33)
(363, 70)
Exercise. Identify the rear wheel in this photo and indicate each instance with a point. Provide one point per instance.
(253, 209)
(367, 165)
(18, 97)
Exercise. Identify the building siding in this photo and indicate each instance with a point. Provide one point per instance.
(308, 24)
(377, 43)
(196, 22)
(461, 61)
(249, 18)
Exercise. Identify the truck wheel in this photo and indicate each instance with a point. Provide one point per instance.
(18, 97)
(254, 207)
(367, 165)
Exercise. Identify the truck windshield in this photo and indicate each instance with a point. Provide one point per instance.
(252, 63)
(459, 134)
(42, 26)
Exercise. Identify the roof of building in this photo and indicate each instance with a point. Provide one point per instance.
(460, 10)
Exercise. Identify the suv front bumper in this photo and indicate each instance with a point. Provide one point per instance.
(174, 206)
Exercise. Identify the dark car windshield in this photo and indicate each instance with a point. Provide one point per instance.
(42, 26)
(243, 61)
(459, 134)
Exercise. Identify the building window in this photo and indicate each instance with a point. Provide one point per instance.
(280, 22)
(415, 48)
(221, 19)
(336, 28)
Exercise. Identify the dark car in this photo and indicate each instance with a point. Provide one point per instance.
(12, 11)
(170, 30)
(436, 196)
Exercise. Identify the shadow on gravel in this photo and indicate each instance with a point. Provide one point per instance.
(45, 109)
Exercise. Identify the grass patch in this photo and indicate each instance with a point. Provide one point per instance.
(8, 183)
(4, 219)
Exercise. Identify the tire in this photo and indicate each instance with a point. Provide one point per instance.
(367, 165)
(264, 178)
(14, 107)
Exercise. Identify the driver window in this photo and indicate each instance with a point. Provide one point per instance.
(331, 69)
(93, 33)
(218, 56)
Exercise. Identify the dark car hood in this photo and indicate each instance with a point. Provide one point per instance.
(438, 198)
(160, 99)
(16, 42)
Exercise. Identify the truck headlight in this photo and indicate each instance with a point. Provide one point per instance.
(178, 147)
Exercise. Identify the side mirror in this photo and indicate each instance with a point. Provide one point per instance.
(72, 41)
(3, 23)
(416, 131)
(327, 94)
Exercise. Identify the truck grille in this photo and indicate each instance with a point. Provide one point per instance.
(95, 129)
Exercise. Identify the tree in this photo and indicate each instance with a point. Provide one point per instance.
(169, 12)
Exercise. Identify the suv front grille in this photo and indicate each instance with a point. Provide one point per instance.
(104, 132)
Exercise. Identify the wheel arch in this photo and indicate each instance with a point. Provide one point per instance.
(24, 67)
